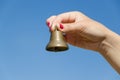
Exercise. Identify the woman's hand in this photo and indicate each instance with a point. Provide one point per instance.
(84, 32)
(80, 30)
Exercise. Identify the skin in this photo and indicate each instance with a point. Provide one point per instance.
(83, 32)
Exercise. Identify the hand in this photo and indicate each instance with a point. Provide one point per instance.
(80, 30)
(86, 33)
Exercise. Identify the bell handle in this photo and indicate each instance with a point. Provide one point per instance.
(55, 28)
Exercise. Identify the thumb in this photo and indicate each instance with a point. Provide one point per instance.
(67, 27)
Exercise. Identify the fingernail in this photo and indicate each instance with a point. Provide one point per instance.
(48, 23)
(61, 26)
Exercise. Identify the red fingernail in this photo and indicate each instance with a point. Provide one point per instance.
(61, 26)
(48, 23)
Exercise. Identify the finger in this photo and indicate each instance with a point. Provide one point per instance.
(68, 17)
(50, 20)
(68, 27)
(65, 18)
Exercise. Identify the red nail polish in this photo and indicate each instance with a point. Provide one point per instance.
(61, 26)
(48, 23)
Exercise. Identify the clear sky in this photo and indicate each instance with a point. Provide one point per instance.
(24, 36)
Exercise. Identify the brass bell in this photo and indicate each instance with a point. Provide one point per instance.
(57, 42)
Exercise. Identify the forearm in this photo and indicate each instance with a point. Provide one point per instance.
(111, 50)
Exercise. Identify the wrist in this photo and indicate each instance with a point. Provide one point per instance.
(110, 43)
(110, 49)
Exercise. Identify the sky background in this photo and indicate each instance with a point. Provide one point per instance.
(24, 36)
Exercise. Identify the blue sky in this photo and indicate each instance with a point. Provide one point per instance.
(24, 36)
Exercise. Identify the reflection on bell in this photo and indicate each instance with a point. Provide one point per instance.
(57, 42)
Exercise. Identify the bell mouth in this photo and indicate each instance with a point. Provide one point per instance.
(57, 48)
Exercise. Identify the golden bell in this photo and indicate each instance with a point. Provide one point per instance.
(57, 42)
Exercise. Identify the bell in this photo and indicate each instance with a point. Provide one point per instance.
(57, 42)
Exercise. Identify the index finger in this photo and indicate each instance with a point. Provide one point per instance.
(68, 17)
